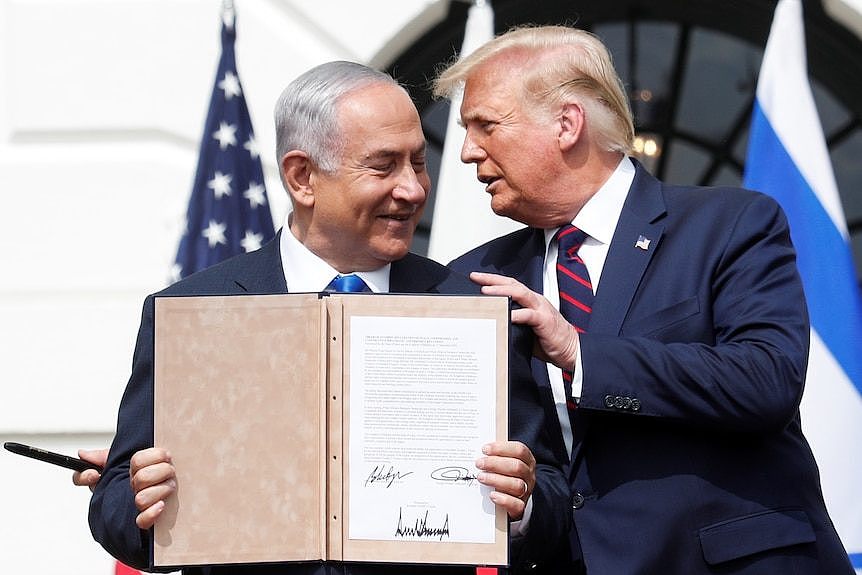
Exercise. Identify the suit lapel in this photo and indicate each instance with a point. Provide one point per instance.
(527, 263)
(635, 240)
(409, 275)
(263, 272)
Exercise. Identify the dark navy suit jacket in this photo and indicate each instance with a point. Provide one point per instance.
(688, 455)
(112, 509)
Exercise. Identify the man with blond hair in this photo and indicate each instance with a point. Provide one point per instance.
(664, 326)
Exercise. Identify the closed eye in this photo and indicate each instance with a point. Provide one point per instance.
(383, 168)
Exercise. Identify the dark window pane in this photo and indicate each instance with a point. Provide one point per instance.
(434, 118)
(650, 87)
(727, 176)
(740, 146)
(686, 163)
(718, 83)
(833, 115)
(615, 37)
(856, 244)
(848, 174)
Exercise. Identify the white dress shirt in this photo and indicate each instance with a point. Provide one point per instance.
(304, 271)
(598, 218)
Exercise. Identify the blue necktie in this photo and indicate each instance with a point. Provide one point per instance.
(350, 283)
(576, 290)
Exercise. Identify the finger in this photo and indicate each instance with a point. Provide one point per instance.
(147, 518)
(487, 279)
(96, 456)
(507, 475)
(511, 467)
(526, 298)
(148, 457)
(505, 484)
(508, 485)
(88, 478)
(152, 475)
(151, 496)
(514, 449)
(513, 506)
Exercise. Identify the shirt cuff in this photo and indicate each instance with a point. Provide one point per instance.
(519, 528)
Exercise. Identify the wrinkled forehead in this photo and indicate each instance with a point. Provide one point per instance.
(380, 119)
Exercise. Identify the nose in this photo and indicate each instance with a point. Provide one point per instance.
(471, 151)
(412, 187)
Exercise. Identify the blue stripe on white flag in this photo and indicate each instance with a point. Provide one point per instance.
(824, 258)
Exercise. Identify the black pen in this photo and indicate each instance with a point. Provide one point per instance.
(50, 457)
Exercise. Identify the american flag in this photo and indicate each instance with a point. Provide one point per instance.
(228, 211)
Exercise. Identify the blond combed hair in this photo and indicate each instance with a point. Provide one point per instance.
(559, 64)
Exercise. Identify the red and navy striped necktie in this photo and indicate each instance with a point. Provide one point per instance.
(576, 290)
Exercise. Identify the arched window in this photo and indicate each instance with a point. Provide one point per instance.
(691, 71)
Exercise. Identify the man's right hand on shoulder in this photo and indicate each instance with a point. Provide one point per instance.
(153, 480)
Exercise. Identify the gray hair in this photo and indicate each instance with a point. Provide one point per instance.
(560, 63)
(306, 116)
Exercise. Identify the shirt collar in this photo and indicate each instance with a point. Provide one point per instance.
(304, 271)
(599, 216)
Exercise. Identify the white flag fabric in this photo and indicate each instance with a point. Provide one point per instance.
(462, 210)
(788, 159)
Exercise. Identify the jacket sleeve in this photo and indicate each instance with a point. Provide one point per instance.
(733, 355)
(112, 508)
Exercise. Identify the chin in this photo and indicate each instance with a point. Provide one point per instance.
(394, 251)
(502, 209)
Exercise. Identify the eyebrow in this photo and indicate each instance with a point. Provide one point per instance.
(386, 153)
(474, 116)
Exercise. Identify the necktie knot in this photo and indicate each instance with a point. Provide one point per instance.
(569, 240)
(350, 283)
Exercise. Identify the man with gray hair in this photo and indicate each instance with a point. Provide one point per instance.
(351, 154)
(665, 326)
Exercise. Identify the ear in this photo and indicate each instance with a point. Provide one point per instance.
(572, 122)
(296, 173)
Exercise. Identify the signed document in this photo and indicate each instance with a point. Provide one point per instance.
(421, 405)
(338, 427)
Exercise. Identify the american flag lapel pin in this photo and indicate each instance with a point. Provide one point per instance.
(643, 242)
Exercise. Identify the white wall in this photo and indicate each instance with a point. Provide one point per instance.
(101, 108)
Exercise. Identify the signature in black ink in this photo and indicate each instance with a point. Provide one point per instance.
(381, 474)
(454, 475)
(420, 528)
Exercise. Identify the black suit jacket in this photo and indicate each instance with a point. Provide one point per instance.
(112, 509)
(689, 457)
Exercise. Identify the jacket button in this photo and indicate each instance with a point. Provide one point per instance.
(577, 501)
(609, 401)
(636, 404)
(532, 566)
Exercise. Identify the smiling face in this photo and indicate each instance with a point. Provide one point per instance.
(515, 147)
(363, 215)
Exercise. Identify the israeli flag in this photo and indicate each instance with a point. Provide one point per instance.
(788, 159)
